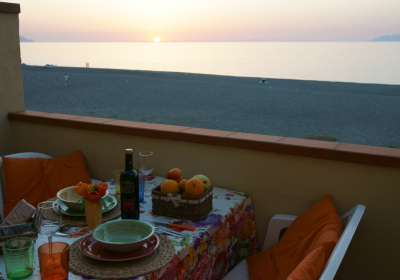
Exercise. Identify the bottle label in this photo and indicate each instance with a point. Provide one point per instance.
(128, 205)
(127, 187)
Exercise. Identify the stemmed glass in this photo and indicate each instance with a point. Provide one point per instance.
(146, 163)
(48, 218)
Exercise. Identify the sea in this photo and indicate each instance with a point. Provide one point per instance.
(354, 62)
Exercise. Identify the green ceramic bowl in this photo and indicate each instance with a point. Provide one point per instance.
(123, 236)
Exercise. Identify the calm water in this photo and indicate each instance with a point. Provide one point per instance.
(361, 62)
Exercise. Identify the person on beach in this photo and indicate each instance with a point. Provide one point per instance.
(66, 80)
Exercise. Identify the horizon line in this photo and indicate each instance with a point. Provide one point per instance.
(233, 41)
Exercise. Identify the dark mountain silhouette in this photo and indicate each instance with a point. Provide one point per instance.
(23, 39)
(387, 38)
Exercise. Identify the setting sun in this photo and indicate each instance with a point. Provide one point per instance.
(156, 40)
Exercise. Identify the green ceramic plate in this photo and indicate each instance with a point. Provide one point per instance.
(110, 200)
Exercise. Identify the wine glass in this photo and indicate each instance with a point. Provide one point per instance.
(146, 163)
(48, 218)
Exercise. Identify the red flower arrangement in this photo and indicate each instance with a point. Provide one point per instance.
(92, 201)
(93, 192)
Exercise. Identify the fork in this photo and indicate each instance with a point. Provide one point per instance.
(167, 231)
(171, 232)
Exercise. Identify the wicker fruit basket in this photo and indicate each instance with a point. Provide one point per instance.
(179, 206)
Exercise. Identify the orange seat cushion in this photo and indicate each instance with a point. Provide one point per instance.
(38, 179)
(305, 247)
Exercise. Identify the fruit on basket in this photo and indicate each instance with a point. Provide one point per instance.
(194, 186)
(180, 198)
(176, 184)
(170, 186)
(204, 179)
(175, 174)
(182, 184)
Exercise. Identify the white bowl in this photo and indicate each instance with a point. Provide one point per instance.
(71, 198)
(123, 236)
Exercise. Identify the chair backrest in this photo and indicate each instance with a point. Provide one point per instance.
(20, 155)
(350, 222)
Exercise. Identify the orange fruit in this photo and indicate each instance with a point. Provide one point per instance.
(194, 186)
(170, 186)
(175, 174)
(205, 180)
(182, 184)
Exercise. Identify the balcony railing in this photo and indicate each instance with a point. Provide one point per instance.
(282, 175)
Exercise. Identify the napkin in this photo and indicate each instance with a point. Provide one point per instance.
(21, 213)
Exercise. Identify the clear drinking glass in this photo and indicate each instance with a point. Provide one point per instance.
(48, 218)
(117, 175)
(146, 164)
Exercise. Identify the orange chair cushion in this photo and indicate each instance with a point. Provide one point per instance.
(38, 179)
(22, 180)
(318, 227)
(59, 173)
(311, 267)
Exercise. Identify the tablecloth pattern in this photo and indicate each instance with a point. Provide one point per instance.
(221, 240)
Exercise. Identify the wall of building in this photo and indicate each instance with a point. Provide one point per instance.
(277, 183)
(11, 85)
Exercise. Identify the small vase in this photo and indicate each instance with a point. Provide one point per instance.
(93, 212)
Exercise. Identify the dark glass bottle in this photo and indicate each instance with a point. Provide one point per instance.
(129, 182)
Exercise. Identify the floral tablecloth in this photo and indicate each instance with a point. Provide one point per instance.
(221, 240)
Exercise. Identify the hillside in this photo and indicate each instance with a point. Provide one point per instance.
(23, 39)
(387, 38)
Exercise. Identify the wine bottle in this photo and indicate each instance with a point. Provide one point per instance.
(129, 182)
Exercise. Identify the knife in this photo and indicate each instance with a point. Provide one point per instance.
(174, 226)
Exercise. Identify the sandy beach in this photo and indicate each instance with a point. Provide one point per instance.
(367, 114)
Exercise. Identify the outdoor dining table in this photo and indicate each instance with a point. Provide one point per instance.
(222, 239)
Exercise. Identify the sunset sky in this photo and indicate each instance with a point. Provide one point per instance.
(207, 20)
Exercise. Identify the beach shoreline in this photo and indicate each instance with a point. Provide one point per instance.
(356, 113)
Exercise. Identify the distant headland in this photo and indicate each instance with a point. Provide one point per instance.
(23, 39)
(387, 38)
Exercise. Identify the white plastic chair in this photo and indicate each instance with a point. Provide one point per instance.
(20, 155)
(278, 222)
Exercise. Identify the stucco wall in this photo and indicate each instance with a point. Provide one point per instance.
(276, 183)
(11, 86)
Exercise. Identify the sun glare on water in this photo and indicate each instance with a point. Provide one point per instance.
(157, 40)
